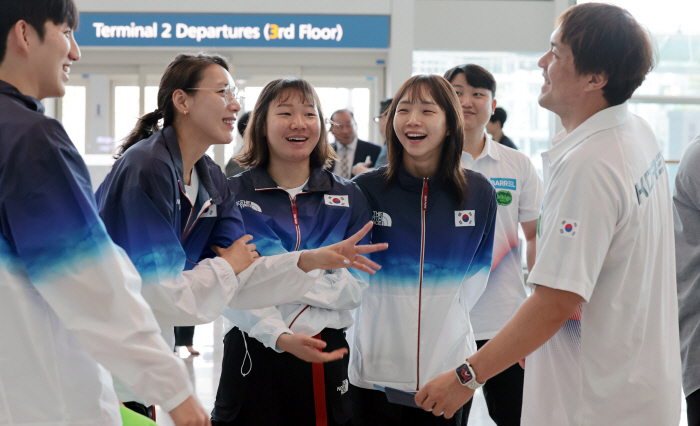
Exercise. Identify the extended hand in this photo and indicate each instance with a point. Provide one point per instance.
(307, 348)
(444, 395)
(360, 168)
(190, 413)
(239, 255)
(344, 254)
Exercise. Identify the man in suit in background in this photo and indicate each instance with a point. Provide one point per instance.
(351, 150)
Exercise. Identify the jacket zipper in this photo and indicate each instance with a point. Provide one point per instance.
(206, 205)
(296, 225)
(296, 221)
(182, 192)
(424, 207)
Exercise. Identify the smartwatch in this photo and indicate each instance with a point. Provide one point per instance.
(467, 377)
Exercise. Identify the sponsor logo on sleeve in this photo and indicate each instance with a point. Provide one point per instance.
(504, 183)
(210, 212)
(648, 180)
(381, 219)
(504, 198)
(249, 204)
(568, 227)
(464, 218)
(337, 200)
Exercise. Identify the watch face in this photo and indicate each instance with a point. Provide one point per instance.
(463, 374)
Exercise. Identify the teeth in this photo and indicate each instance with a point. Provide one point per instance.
(66, 68)
(227, 121)
(297, 139)
(415, 135)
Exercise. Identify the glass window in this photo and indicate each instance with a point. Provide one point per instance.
(518, 84)
(669, 98)
(73, 115)
(674, 125)
(126, 111)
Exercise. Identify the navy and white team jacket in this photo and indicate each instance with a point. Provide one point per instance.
(413, 323)
(145, 209)
(69, 297)
(328, 210)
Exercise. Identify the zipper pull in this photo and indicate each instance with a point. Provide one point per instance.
(294, 213)
(425, 194)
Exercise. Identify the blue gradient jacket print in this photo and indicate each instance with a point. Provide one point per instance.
(147, 212)
(328, 210)
(143, 204)
(413, 323)
(69, 297)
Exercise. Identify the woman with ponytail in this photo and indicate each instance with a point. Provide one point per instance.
(167, 204)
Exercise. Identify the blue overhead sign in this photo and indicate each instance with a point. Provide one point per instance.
(233, 30)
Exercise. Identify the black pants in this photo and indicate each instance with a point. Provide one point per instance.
(184, 336)
(693, 403)
(504, 394)
(371, 408)
(279, 390)
(137, 407)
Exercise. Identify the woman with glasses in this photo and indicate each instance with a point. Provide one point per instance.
(167, 204)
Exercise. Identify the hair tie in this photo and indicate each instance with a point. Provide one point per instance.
(158, 112)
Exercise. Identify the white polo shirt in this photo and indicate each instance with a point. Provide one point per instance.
(519, 195)
(606, 234)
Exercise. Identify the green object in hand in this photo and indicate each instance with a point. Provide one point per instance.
(131, 418)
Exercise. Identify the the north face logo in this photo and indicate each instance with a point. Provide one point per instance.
(344, 387)
(381, 219)
(245, 203)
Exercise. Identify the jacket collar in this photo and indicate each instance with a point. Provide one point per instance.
(319, 180)
(490, 150)
(205, 179)
(413, 184)
(11, 91)
(602, 120)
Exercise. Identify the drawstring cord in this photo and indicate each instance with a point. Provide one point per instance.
(247, 355)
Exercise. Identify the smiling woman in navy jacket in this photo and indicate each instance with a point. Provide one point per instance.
(439, 221)
(167, 204)
(289, 202)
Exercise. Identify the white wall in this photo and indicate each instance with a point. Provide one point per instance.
(337, 7)
(495, 25)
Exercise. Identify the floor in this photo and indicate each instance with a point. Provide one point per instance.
(205, 370)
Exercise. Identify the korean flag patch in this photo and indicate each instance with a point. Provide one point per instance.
(568, 227)
(337, 200)
(464, 218)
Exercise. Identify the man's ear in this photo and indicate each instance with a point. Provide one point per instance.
(21, 36)
(596, 82)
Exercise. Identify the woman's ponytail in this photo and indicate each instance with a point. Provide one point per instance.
(145, 127)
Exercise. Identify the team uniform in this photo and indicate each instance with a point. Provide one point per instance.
(168, 235)
(325, 210)
(519, 198)
(69, 297)
(606, 234)
(413, 323)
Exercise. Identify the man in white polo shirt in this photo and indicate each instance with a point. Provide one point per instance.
(600, 330)
(519, 197)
